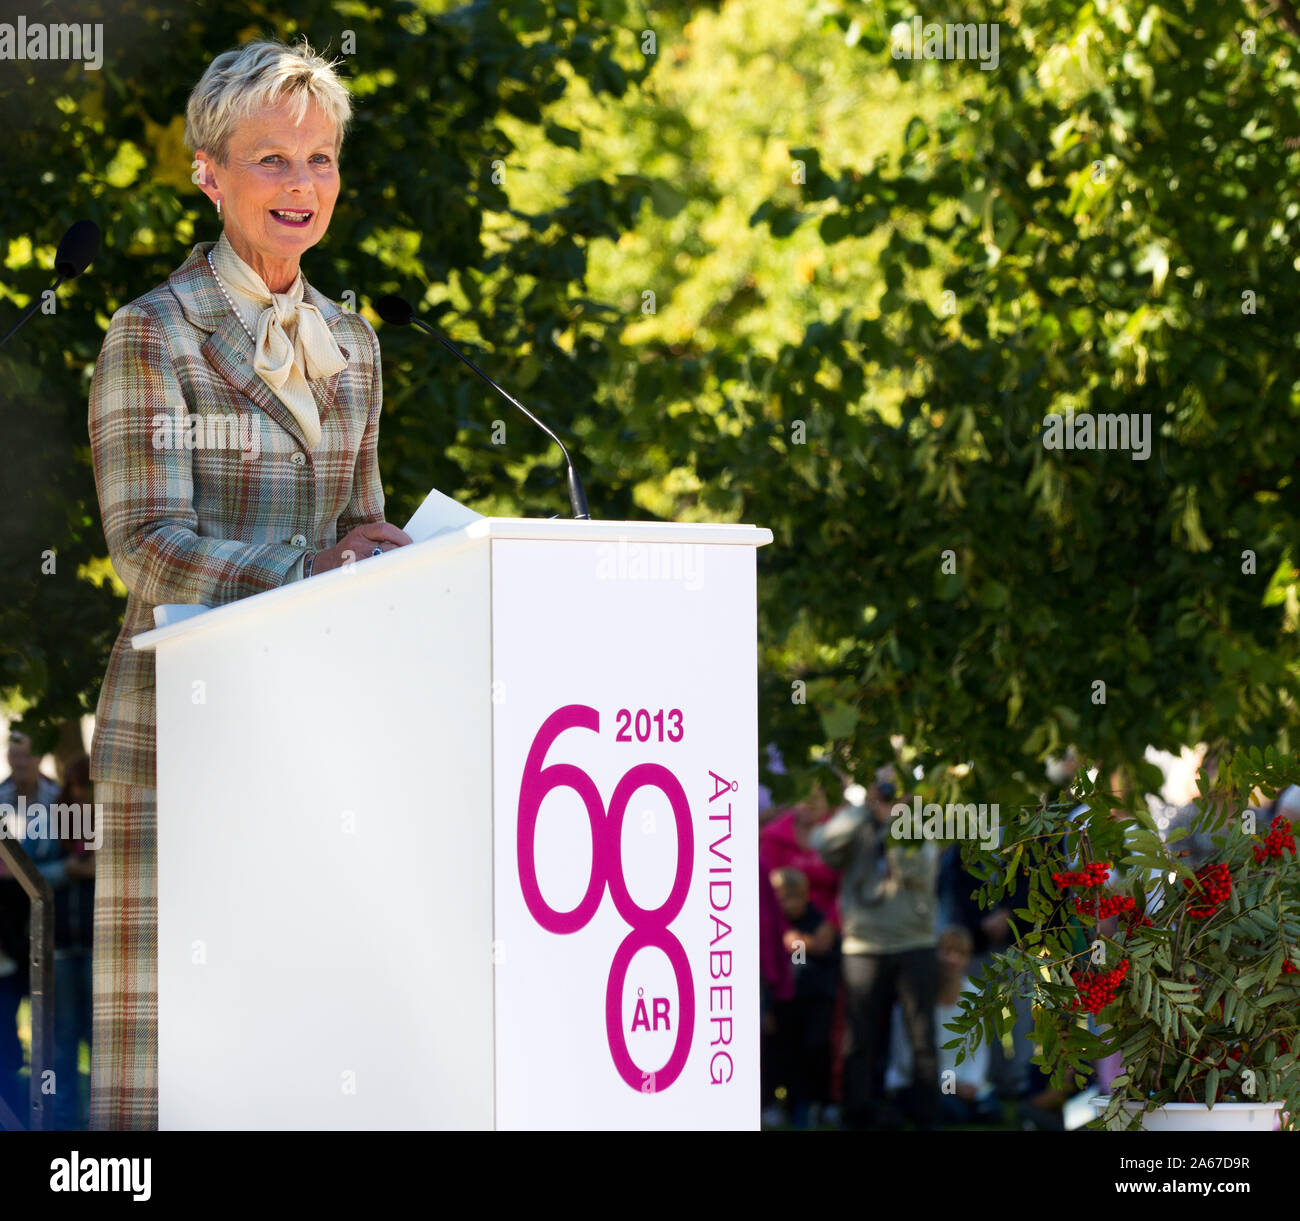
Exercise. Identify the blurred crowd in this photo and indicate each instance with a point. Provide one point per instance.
(69, 868)
(868, 944)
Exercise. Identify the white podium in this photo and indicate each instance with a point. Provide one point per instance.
(465, 836)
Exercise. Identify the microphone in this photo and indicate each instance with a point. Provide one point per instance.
(398, 312)
(77, 250)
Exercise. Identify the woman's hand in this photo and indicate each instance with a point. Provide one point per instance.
(359, 544)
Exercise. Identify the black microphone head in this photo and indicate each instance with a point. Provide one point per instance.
(77, 250)
(394, 310)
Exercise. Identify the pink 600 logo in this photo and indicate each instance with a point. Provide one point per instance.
(648, 929)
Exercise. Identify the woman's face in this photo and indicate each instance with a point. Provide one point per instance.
(277, 188)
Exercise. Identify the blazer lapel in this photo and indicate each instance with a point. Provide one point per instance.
(228, 348)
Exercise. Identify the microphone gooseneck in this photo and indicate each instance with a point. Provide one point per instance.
(396, 311)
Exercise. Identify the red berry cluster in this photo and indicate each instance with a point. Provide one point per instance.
(1212, 887)
(1108, 905)
(1289, 968)
(1279, 838)
(1097, 988)
(1094, 873)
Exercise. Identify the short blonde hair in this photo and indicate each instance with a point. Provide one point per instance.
(259, 74)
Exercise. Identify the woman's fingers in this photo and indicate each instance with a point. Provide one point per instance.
(381, 534)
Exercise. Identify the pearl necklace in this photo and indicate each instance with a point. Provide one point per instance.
(229, 302)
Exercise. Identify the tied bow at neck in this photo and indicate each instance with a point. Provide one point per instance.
(292, 342)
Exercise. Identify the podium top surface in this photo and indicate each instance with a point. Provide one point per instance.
(480, 531)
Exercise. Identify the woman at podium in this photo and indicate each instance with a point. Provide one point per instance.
(234, 420)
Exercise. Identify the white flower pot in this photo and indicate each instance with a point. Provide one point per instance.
(1197, 1117)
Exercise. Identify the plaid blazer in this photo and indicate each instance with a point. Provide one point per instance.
(207, 489)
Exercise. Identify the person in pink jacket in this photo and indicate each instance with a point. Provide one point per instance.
(786, 843)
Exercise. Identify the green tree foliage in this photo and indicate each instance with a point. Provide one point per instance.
(1104, 211)
(875, 277)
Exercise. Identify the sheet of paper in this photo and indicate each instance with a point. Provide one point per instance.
(437, 515)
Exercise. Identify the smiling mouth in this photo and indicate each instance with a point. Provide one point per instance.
(294, 219)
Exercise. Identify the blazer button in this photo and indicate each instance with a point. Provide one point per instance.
(299, 540)
(297, 457)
